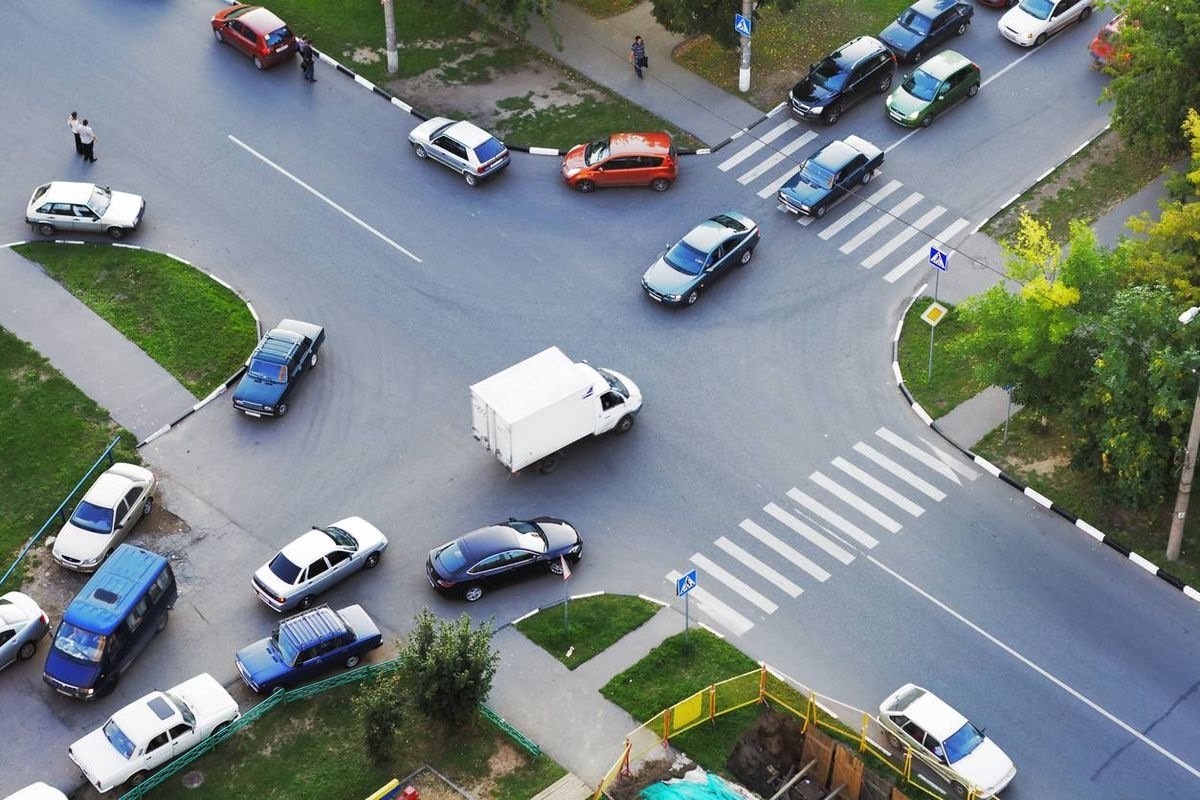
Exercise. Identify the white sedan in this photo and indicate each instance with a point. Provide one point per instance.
(316, 561)
(69, 206)
(110, 509)
(152, 730)
(1033, 21)
(38, 791)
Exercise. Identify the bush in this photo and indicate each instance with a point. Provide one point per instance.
(448, 665)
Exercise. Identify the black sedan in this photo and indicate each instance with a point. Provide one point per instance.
(706, 253)
(501, 553)
(924, 25)
(285, 355)
(828, 174)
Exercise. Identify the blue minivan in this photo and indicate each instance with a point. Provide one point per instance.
(109, 622)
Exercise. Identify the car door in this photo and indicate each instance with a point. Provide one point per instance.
(617, 172)
(317, 577)
(1063, 15)
(86, 219)
(849, 175)
(243, 38)
(450, 152)
(183, 738)
(307, 665)
(339, 565)
(519, 564)
(8, 646)
(488, 571)
(158, 751)
(62, 216)
(129, 511)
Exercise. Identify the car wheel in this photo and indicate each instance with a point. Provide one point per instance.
(660, 184)
(148, 506)
(833, 115)
(1087, 12)
(958, 790)
(162, 621)
(866, 177)
(281, 409)
(372, 560)
(306, 603)
(927, 120)
(351, 662)
(419, 150)
(893, 740)
(746, 256)
(471, 178)
(258, 63)
(624, 424)
(45, 229)
(548, 465)
(473, 593)
(585, 186)
(222, 726)
(220, 37)
(974, 90)
(27, 650)
(137, 778)
(886, 83)
(312, 361)
(109, 687)
(692, 297)
(819, 212)
(117, 233)
(555, 567)
(961, 29)
(1040, 40)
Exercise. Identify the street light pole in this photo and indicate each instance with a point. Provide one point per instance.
(744, 70)
(389, 21)
(1179, 518)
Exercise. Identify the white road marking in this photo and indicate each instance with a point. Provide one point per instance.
(900, 472)
(851, 499)
(933, 462)
(1129, 729)
(951, 461)
(836, 227)
(758, 566)
(741, 155)
(777, 184)
(922, 254)
(804, 221)
(783, 153)
(799, 527)
(877, 486)
(903, 236)
(784, 549)
(318, 195)
(884, 220)
(710, 605)
(833, 518)
(713, 570)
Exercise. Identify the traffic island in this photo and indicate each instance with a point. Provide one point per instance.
(586, 625)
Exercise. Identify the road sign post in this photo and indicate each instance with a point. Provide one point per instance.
(939, 260)
(566, 573)
(683, 587)
(743, 25)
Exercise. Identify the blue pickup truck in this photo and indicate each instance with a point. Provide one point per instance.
(285, 355)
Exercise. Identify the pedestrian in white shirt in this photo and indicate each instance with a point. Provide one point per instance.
(73, 124)
(88, 138)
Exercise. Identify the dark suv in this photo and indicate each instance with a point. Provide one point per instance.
(858, 68)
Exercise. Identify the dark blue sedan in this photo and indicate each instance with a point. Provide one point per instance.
(305, 645)
(829, 174)
(924, 25)
(706, 253)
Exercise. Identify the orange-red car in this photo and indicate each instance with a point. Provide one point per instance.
(256, 32)
(1105, 48)
(623, 159)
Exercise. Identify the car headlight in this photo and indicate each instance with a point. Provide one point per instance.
(571, 173)
(673, 297)
(1026, 36)
(913, 116)
(268, 408)
(817, 109)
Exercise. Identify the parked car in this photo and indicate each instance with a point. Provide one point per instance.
(316, 561)
(623, 159)
(931, 89)
(255, 32)
(117, 501)
(997, 3)
(303, 646)
(1033, 21)
(461, 146)
(828, 174)
(498, 554)
(285, 355)
(855, 70)
(22, 626)
(152, 730)
(917, 719)
(84, 207)
(704, 254)
(1105, 49)
(924, 25)
(37, 791)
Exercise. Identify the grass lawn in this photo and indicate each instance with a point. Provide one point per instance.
(784, 45)
(311, 750)
(604, 8)
(198, 330)
(50, 433)
(595, 624)
(952, 379)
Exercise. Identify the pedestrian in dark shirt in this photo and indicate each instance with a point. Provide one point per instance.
(637, 55)
(306, 60)
(88, 139)
(74, 125)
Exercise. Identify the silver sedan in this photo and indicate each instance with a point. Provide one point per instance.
(85, 207)
(22, 626)
(316, 561)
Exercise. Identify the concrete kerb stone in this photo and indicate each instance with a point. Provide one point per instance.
(222, 388)
(540, 609)
(1028, 491)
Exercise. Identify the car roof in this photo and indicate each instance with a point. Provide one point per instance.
(707, 235)
(312, 627)
(834, 155)
(944, 64)
(487, 541)
(16, 608)
(857, 49)
(108, 490)
(112, 592)
(931, 8)
(630, 144)
(933, 715)
(468, 133)
(68, 192)
(279, 344)
(261, 20)
(139, 720)
(308, 547)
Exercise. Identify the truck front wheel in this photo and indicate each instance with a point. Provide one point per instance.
(548, 465)
(624, 424)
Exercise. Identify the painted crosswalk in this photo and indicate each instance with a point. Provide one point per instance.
(820, 526)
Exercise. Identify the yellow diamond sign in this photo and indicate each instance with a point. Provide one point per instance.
(934, 314)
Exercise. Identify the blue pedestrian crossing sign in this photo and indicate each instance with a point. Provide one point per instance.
(741, 25)
(685, 584)
(939, 259)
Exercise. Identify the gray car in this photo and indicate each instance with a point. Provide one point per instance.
(22, 626)
(461, 146)
(83, 207)
(316, 561)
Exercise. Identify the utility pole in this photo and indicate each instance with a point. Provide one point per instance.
(389, 20)
(744, 70)
(1179, 518)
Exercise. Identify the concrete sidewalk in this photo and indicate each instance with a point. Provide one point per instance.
(139, 394)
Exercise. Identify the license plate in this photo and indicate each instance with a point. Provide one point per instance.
(251, 413)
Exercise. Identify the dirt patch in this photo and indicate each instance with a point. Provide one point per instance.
(1044, 467)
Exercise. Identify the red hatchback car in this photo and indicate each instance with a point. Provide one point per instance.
(256, 32)
(623, 159)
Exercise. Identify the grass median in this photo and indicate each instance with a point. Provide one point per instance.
(595, 624)
(198, 330)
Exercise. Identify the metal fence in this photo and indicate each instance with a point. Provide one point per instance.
(58, 512)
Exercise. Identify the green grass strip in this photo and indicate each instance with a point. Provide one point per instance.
(596, 623)
(952, 381)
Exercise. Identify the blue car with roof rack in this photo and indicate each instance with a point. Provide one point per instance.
(285, 355)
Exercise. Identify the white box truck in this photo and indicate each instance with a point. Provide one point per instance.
(533, 409)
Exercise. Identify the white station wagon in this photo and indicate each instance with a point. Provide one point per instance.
(461, 146)
(117, 500)
(84, 207)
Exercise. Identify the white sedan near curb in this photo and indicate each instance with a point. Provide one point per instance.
(84, 207)
(151, 731)
(110, 509)
(1033, 21)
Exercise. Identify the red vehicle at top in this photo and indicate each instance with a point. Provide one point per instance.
(256, 32)
(1105, 48)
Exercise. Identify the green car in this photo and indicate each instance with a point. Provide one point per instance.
(939, 83)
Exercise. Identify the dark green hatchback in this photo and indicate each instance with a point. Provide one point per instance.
(931, 89)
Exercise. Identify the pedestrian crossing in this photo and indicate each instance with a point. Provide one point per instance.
(825, 523)
(876, 229)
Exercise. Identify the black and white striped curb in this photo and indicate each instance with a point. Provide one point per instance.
(215, 393)
(1032, 494)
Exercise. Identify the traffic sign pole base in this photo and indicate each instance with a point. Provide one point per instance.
(744, 79)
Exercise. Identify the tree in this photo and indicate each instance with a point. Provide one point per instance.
(449, 665)
(381, 705)
(712, 17)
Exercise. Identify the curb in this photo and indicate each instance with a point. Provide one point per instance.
(215, 393)
(539, 609)
(1029, 492)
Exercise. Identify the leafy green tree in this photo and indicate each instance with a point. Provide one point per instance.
(713, 17)
(381, 706)
(449, 665)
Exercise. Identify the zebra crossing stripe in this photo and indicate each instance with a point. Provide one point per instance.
(903, 236)
(833, 518)
(783, 153)
(741, 155)
(900, 472)
(784, 549)
(856, 212)
(774, 186)
(922, 253)
(933, 462)
(851, 499)
(884, 220)
(951, 461)
(758, 566)
(799, 527)
(880, 488)
(714, 570)
(710, 605)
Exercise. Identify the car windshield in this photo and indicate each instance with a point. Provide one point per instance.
(183, 709)
(340, 537)
(686, 259)
(268, 370)
(921, 85)
(79, 644)
(451, 558)
(489, 150)
(614, 382)
(100, 199)
(284, 569)
(277, 36)
(829, 74)
(93, 518)
(917, 23)
(595, 152)
(1038, 8)
(814, 174)
(117, 738)
(286, 649)
(964, 740)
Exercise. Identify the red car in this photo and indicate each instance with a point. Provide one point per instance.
(623, 159)
(256, 32)
(1105, 48)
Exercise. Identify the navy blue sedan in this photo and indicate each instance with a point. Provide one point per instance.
(829, 174)
(498, 554)
(305, 645)
(924, 25)
(706, 253)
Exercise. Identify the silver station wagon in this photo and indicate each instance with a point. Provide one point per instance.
(84, 207)
(461, 146)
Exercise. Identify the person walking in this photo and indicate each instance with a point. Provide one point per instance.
(637, 55)
(306, 60)
(87, 137)
(73, 124)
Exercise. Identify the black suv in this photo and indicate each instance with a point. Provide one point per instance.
(858, 68)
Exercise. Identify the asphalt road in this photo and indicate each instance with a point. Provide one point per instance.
(761, 401)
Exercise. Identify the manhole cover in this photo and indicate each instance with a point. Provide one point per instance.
(193, 779)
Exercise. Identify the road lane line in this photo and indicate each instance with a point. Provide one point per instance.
(903, 236)
(804, 530)
(884, 220)
(851, 499)
(922, 254)
(833, 518)
(923, 486)
(784, 549)
(866, 205)
(710, 605)
(880, 488)
(319, 196)
(714, 570)
(1129, 729)
(758, 566)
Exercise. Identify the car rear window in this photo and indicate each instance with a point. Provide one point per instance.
(489, 150)
(284, 569)
(915, 22)
(451, 558)
(278, 37)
